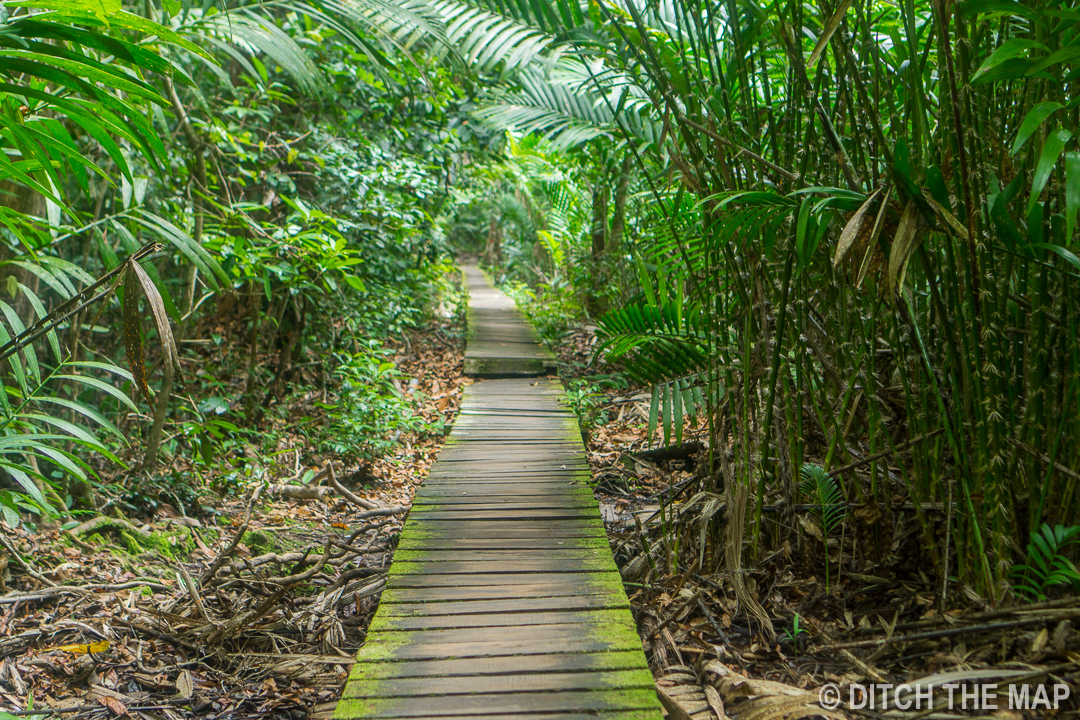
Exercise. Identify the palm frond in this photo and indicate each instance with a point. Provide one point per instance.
(564, 112)
(259, 35)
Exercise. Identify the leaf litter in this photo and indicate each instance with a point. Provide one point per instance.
(883, 621)
(253, 610)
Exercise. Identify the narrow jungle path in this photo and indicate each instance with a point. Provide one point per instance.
(503, 600)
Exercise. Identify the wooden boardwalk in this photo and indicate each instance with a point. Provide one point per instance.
(503, 600)
(500, 343)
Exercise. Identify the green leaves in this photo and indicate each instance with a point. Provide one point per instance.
(822, 492)
(1072, 192)
(1051, 151)
(1047, 565)
(1009, 50)
(1034, 119)
(827, 503)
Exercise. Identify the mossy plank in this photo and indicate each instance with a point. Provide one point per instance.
(461, 544)
(495, 703)
(503, 683)
(389, 623)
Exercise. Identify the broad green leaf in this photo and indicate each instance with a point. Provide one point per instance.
(1064, 253)
(11, 517)
(1004, 7)
(1035, 118)
(87, 438)
(107, 367)
(103, 386)
(28, 350)
(16, 365)
(63, 460)
(1063, 55)
(94, 7)
(801, 231)
(26, 482)
(1072, 193)
(35, 303)
(36, 63)
(1009, 50)
(1051, 151)
(89, 412)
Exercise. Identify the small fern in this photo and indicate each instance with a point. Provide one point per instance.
(828, 503)
(1047, 566)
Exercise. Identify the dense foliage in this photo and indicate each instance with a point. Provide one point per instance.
(839, 233)
(267, 182)
(858, 244)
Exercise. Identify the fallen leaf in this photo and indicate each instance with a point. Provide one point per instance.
(83, 649)
(115, 706)
(185, 685)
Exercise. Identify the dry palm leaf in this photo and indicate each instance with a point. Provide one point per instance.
(682, 696)
(750, 699)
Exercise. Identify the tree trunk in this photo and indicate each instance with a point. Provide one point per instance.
(599, 222)
(594, 302)
(618, 220)
(493, 252)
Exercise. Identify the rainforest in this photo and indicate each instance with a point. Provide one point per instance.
(803, 275)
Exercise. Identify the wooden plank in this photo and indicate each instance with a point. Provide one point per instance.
(494, 703)
(512, 664)
(583, 564)
(499, 529)
(505, 560)
(509, 523)
(516, 683)
(494, 492)
(520, 638)
(485, 579)
(492, 503)
(441, 595)
(435, 514)
(423, 607)
(463, 544)
(383, 651)
(388, 623)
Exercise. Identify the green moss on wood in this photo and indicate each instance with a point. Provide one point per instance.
(604, 699)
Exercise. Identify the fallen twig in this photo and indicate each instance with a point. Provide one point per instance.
(222, 556)
(348, 494)
(104, 521)
(156, 705)
(948, 632)
(157, 634)
(57, 591)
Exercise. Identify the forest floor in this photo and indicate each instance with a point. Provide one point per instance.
(149, 623)
(880, 620)
(250, 604)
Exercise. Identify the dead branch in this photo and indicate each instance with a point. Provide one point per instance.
(193, 591)
(103, 521)
(345, 492)
(52, 592)
(222, 556)
(139, 628)
(305, 492)
(948, 632)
